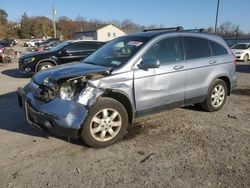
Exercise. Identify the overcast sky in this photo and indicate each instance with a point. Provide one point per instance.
(187, 13)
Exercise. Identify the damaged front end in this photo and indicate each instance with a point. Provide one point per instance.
(60, 105)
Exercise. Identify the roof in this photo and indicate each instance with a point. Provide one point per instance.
(152, 34)
(94, 41)
(237, 38)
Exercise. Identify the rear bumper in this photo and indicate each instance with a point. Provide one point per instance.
(60, 117)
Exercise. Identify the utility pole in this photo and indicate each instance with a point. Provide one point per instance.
(216, 19)
(54, 19)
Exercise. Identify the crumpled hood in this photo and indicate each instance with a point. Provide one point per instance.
(69, 70)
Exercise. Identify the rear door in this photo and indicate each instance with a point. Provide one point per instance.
(158, 87)
(199, 64)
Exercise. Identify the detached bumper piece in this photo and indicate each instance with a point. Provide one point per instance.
(58, 116)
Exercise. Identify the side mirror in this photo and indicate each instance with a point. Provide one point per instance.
(149, 64)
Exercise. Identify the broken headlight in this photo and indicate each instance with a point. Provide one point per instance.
(71, 88)
(67, 90)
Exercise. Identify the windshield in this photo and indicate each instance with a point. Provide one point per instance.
(60, 46)
(117, 52)
(240, 46)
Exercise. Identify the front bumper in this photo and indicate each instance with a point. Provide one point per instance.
(58, 116)
(26, 68)
(239, 57)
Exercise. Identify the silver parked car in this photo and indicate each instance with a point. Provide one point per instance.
(131, 76)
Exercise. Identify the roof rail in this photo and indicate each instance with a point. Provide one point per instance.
(179, 28)
(200, 30)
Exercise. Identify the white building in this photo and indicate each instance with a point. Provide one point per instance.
(100, 33)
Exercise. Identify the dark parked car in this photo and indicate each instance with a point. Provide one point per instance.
(2, 48)
(63, 53)
(9, 42)
(4, 43)
(131, 76)
(38, 44)
(46, 46)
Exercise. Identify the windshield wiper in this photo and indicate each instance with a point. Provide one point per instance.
(88, 62)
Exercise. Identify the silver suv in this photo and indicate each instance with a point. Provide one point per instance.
(131, 76)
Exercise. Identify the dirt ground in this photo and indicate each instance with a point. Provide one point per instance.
(184, 147)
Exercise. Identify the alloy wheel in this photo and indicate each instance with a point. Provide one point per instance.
(105, 124)
(45, 67)
(218, 96)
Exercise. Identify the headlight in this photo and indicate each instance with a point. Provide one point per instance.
(67, 90)
(29, 60)
(239, 53)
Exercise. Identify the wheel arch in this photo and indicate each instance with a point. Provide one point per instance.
(124, 100)
(228, 83)
(45, 60)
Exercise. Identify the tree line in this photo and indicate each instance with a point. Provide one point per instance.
(41, 26)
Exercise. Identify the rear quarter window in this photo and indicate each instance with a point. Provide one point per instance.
(217, 49)
(196, 48)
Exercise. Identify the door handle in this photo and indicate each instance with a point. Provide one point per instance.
(178, 67)
(212, 61)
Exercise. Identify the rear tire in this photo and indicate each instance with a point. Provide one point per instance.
(246, 57)
(216, 98)
(106, 123)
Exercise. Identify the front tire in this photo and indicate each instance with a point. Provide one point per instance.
(106, 123)
(246, 57)
(216, 97)
(44, 66)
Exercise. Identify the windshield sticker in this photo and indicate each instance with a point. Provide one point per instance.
(134, 43)
(114, 62)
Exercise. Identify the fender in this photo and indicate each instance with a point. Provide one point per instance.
(111, 92)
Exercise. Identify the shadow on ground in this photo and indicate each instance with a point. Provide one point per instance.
(241, 91)
(243, 68)
(14, 73)
(12, 119)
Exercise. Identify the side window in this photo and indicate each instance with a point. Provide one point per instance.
(166, 51)
(88, 46)
(217, 49)
(196, 48)
(71, 47)
(79, 46)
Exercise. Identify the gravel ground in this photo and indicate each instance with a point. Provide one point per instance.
(184, 147)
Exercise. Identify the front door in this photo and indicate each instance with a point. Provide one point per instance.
(155, 88)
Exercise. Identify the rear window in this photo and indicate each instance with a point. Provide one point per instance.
(196, 48)
(217, 49)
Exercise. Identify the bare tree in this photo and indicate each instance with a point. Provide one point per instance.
(228, 29)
